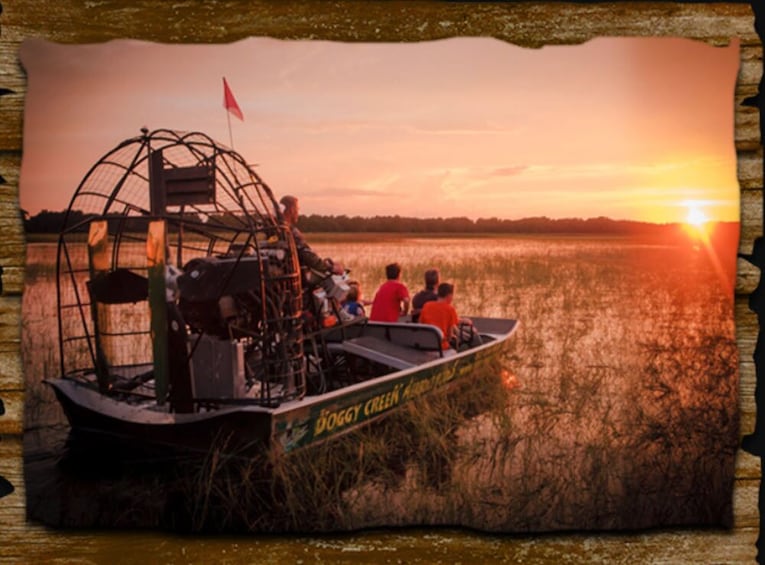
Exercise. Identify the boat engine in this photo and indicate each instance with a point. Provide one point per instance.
(246, 304)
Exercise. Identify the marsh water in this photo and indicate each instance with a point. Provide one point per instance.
(613, 407)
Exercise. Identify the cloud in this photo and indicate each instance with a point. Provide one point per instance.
(510, 171)
(345, 192)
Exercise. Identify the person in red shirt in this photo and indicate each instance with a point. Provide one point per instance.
(392, 298)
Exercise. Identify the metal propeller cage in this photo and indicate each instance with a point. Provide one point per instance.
(194, 199)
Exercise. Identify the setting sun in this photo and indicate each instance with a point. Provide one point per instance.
(698, 222)
(696, 216)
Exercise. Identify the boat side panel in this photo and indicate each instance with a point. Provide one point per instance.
(316, 421)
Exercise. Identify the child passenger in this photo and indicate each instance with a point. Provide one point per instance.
(353, 303)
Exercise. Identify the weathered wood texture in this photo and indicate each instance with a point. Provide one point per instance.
(527, 24)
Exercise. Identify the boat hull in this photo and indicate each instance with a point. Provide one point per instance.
(93, 419)
(290, 426)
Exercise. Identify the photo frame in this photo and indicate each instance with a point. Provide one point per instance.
(509, 22)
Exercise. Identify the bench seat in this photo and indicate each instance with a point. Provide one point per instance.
(388, 353)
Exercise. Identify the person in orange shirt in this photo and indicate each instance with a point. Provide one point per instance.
(443, 315)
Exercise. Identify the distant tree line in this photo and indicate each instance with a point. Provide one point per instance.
(52, 222)
(47, 221)
(542, 224)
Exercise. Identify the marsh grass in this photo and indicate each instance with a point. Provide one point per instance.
(617, 408)
(322, 488)
(39, 344)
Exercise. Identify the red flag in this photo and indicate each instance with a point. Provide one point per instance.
(229, 102)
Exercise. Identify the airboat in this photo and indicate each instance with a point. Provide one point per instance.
(185, 315)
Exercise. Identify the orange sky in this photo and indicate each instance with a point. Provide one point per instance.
(625, 128)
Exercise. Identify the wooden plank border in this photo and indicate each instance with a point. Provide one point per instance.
(531, 24)
(754, 443)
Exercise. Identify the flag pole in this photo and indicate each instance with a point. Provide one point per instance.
(230, 136)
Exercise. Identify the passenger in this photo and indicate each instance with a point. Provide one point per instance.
(392, 298)
(442, 314)
(363, 301)
(353, 303)
(432, 278)
(306, 256)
